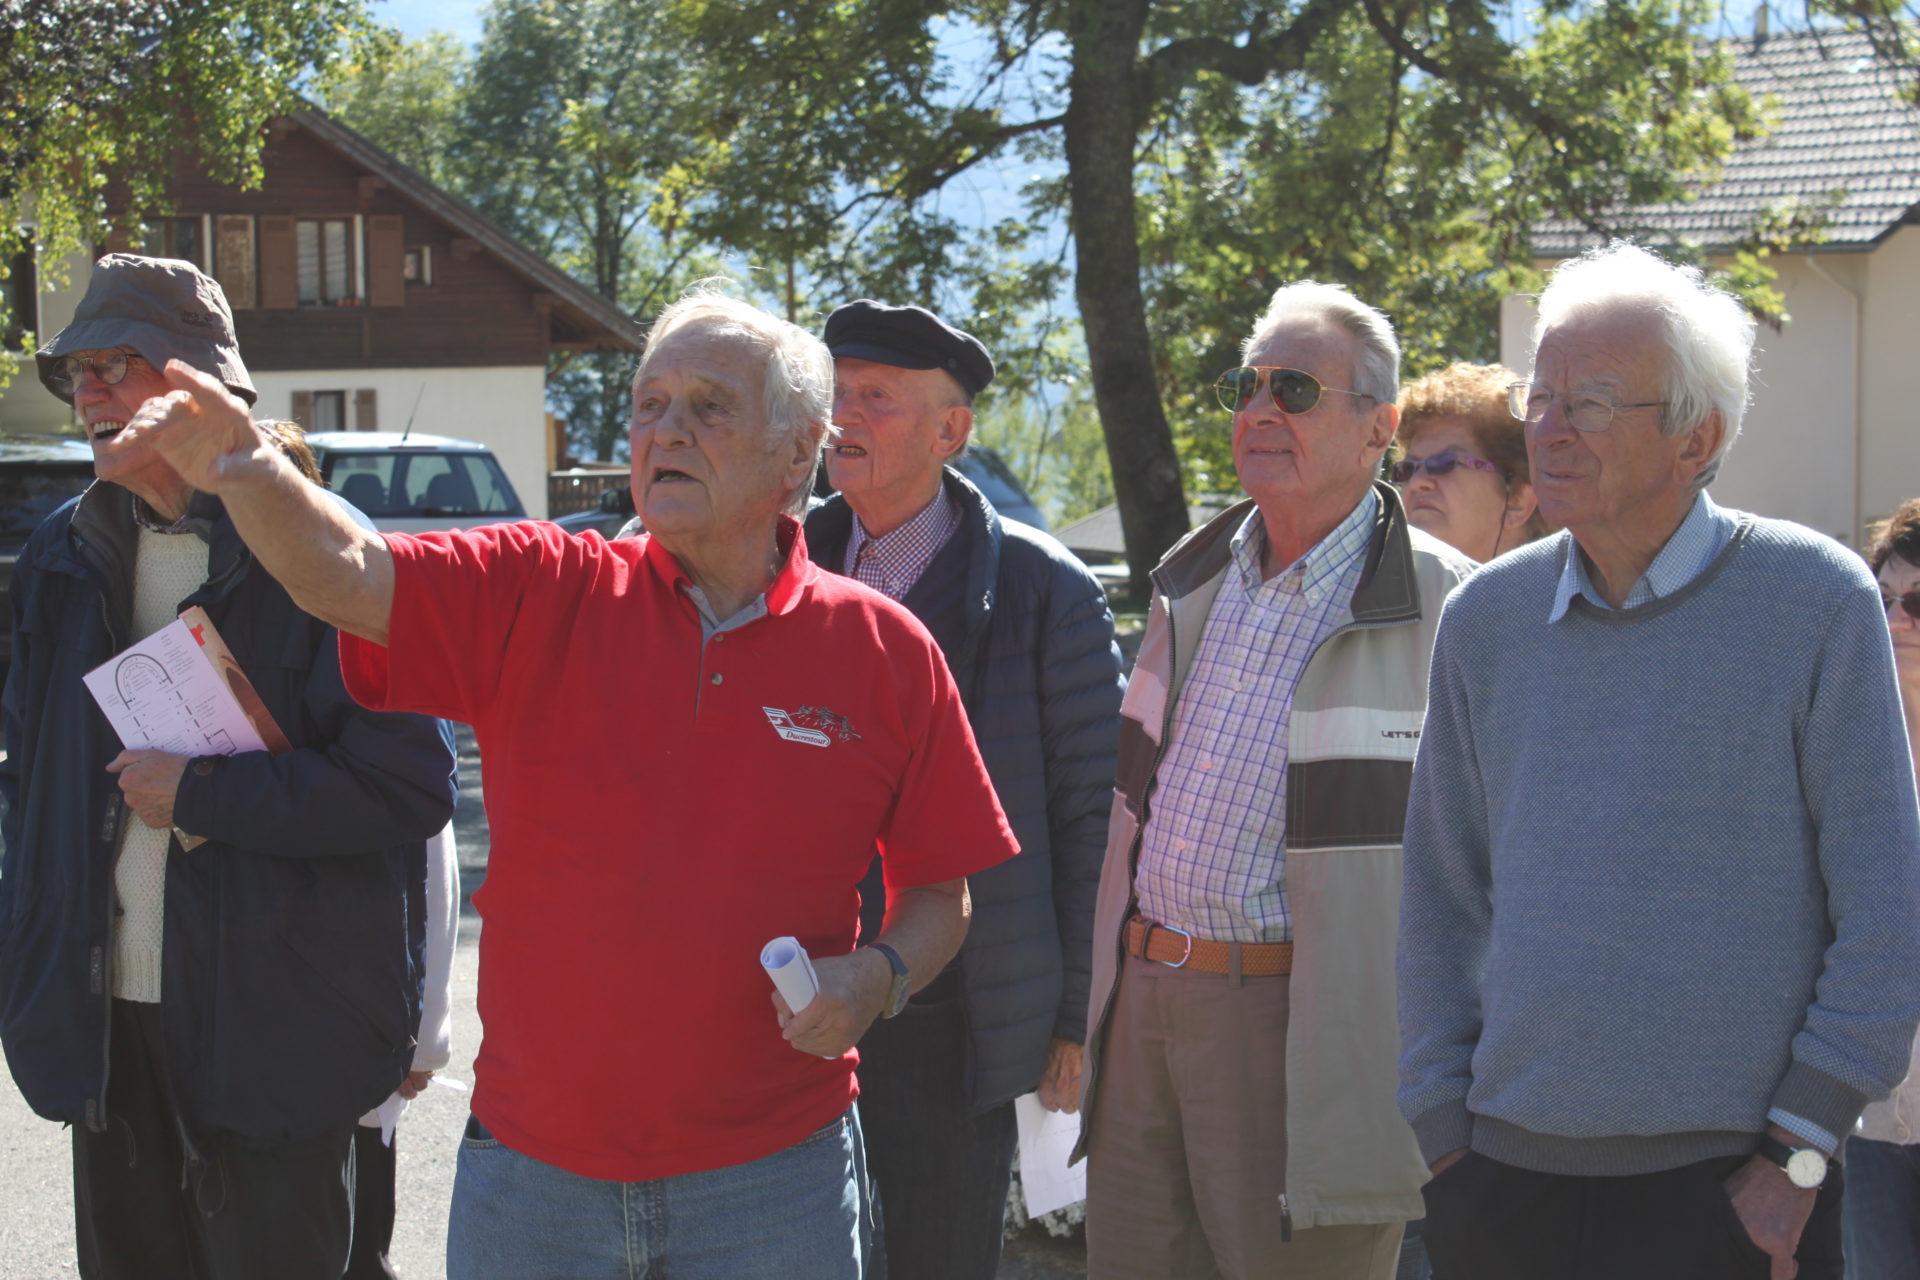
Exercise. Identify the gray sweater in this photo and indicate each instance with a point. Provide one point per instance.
(1662, 864)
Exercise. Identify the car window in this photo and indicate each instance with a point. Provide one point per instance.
(457, 484)
(403, 485)
(29, 495)
(363, 479)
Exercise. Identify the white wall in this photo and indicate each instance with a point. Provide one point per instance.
(1890, 393)
(502, 408)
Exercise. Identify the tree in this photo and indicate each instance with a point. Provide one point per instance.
(1401, 145)
(100, 98)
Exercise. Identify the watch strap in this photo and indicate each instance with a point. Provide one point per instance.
(896, 993)
(1782, 1154)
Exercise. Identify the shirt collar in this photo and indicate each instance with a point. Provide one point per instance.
(149, 519)
(1323, 564)
(796, 574)
(910, 548)
(1706, 529)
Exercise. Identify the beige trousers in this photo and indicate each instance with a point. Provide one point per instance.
(1187, 1155)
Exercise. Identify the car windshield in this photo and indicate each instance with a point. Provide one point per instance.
(29, 495)
(391, 483)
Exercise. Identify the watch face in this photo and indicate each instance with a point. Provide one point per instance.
(1806, 1169)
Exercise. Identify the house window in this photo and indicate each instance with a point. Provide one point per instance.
(416, 266)
(329, 411)
(174, 238)
(323, 256)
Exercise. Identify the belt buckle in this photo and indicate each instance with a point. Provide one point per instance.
(1147, 939)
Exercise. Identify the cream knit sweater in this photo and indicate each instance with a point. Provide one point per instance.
(168, 567)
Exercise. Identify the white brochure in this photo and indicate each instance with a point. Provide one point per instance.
(1046, 1139)
(180, 690)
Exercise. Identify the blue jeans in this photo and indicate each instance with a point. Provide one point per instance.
(1880, 1216)
(798, 1214)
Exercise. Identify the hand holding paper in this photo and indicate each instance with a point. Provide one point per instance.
(846, 996)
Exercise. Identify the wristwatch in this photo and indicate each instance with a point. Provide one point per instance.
(896, 993)
(1805, 1167)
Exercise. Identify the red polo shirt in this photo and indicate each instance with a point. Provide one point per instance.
(660, 809)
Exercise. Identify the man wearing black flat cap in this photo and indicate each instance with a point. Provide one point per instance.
(210, 1017)
(1026, 630)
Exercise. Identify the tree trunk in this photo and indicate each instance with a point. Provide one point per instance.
(1102, 124)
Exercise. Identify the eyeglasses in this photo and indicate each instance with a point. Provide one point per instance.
(1438, 465)
(1908, 601)
(1585, 411)
(109, 366)
(1294, 390)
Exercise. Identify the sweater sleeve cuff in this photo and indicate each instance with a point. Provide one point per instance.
(1447, 1127)
(1817, 1099)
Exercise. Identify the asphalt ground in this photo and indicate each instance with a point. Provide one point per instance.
(36, 1191)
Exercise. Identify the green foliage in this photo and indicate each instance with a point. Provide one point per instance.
(100, 99)
(408, 96)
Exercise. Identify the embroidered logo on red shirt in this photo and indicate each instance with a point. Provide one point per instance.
(784, 726)
(815, 726)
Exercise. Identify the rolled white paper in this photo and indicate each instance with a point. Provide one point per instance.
(787, 963)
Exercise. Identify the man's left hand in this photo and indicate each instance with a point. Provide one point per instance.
(1059, 1087)
(1773, 1211)
(150, 780)
(853, 990)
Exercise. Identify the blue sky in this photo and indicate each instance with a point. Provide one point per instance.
(415, 18)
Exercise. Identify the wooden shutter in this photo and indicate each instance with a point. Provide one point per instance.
(386, 260)
(366, 416)
(233, 264)
(303, 409)
(279, 273)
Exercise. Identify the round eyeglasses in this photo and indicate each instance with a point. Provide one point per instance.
(109, 367)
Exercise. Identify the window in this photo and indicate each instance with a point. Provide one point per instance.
(329, 411)
(323, 255)
(416, 266)
(458, 484)
(174, 238)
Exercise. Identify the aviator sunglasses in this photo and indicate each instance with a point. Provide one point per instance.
(1294, 390)
(1438, 465)
(1908, 601)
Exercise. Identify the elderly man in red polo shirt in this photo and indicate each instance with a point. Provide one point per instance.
(695, 742)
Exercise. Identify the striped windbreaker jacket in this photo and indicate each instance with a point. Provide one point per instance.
(1353, 732)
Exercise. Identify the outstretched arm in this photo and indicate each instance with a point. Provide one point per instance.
(333, 569)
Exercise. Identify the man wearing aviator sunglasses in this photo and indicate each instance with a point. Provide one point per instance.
(1273, 716)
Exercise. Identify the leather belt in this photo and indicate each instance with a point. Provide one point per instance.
(1178, 949)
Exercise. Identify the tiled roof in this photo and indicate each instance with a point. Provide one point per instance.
(1840, 127)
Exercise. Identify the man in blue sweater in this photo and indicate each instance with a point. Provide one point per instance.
(1657, 945)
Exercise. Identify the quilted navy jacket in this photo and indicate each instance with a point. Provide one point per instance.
(290, 969)
(1027, 633)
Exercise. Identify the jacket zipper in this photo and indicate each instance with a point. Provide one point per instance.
(99, 961)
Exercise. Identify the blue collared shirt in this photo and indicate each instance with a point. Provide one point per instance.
(1704, 534)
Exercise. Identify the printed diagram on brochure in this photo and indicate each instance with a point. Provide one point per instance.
(181, 690)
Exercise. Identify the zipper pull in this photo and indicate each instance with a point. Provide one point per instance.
(1286, 1221)
(96, 967)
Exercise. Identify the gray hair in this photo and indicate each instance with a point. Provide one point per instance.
(1376, 371)
(799, 377)
(1709, 334)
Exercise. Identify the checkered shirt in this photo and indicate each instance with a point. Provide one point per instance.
(893, 562)
(1705, 532)
(1213, 855)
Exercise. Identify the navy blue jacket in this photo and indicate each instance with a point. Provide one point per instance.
(290, 975)
(1028, 636)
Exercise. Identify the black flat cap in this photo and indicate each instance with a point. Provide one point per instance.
(908, 338)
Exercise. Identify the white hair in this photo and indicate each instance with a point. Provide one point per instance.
(1709, 334)
(799, 376)
(1376, 372)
